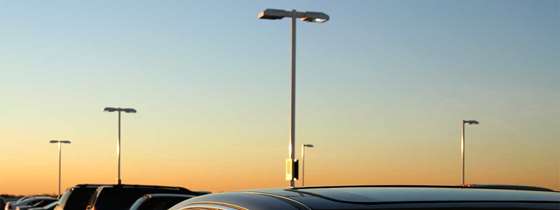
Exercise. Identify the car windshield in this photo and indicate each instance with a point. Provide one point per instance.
(36, 202)
(41, 203)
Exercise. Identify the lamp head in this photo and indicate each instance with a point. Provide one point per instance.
(276, 14)
(110, 109)
(60, 141)
(315, 17)
(129, 110)
(470, 122)
(118, 109)
(273, 14)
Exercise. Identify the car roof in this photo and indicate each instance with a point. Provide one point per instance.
(143, 186)
(382, 194)
(343, 197)
(105, 195)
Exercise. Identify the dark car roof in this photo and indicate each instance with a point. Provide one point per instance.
(117, 197)
(366, 197)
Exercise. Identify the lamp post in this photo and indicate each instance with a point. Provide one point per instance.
(60, 142)
(119, 110)
(303, 146)
(314, 17)
(465, 122)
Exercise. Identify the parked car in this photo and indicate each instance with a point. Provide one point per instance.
(36, 201)
(9, 205)
(158, 201)
(378, 197)
(77, 197)
(121, 197)
(49, 206)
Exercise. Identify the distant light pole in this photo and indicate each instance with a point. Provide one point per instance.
(60, 142)
(465, 122)
(303, 146)
(314, 17)
(119, 110)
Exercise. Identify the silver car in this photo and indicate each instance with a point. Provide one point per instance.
(35, 201)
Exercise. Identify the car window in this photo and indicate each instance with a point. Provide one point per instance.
(78, 198)
(161, 203)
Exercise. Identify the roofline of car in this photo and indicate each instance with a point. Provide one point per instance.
(471, 186)
(132, 185)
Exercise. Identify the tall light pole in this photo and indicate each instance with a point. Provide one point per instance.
(314, 17)
(465, 122)
(60, 142)
(119, 110)
(303, 146)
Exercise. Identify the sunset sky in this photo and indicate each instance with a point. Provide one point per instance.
(382, 89)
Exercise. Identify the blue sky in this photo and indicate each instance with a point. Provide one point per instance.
(394, 75)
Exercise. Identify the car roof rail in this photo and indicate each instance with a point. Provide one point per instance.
(477, 186)
(147, 186)
(89, 185)
(508, 187)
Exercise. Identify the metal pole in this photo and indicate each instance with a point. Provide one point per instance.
(302, 165)
(119, 150)
(463, 153)
(293, 97)
(59, 166)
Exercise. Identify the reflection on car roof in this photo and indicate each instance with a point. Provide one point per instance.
(393, 194)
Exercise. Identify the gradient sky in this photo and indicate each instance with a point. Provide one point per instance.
(382, 89)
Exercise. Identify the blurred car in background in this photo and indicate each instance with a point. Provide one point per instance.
(121, 197)
(158, 201)
(10, 205)
(35, 201)
(379, 197)
(77, 197)
(2, 203)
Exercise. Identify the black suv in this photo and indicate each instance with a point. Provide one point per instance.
(77, 197)
(121, 197)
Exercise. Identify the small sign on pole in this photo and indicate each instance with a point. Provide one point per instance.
(292, 171)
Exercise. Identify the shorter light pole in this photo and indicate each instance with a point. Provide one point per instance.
(60, 142)
(303, 146)
(465, 122)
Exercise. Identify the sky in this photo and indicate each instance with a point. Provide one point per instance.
(382, 89)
